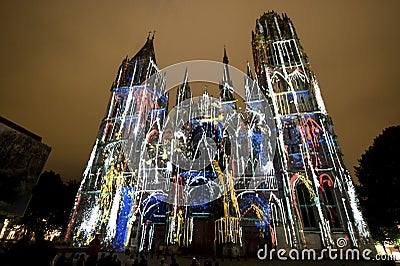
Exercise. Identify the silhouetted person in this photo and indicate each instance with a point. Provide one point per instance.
(130, 261)
(70, 259)
(173, 261)
(143, 261)
(108, 260)
(81, 261)
(116, 261)
(162, 262)
(93, 251)
(102, 261)
(61, 261)
(75, 260)
(195, 262)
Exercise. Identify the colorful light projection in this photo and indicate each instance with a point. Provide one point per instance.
(309, 155)
(135, 194)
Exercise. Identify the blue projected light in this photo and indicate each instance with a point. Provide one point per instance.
(123, 217)
(154, 208)
(251, 202)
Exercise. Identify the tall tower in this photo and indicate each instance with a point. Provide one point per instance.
(112, 184)
(316, 193)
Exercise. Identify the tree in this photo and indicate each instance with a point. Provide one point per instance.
(44, 209)
(51, 204)
(379, 175)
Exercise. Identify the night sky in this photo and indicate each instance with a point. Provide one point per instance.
(59, 59)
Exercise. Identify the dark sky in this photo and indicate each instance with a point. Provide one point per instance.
(59, 58)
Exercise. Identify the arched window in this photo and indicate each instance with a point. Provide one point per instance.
(288, 132)
(329, 200)
(306, 205)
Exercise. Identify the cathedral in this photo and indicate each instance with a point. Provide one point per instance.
(219, 176)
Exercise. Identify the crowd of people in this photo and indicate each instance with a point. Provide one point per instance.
(25, 252)
(91, 258)
(41, 252)
(105, 259)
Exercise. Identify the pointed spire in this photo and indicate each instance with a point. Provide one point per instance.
(141, 66)
(252, 90)
(226, 87)
(225, 77)
(249, 74)
(147, 51)
(205, 92)
(184, 91)
(225, 60)
(185, 79)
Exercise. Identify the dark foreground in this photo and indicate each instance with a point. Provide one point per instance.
(183, 260)
(50, 256)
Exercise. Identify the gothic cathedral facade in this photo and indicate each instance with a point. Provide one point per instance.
(304, 196)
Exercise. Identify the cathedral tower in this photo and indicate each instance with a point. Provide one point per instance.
(111, 185)
(316, 189)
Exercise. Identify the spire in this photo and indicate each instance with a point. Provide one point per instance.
(140, 67)
(226, 87)
(249, 74)
(184, 91)
(226, 78)
(147, 51)
(252, 90)
(185, 79)
(225, 60)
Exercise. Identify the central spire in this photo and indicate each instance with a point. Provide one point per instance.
(184, 91)
(225, 60)
(226, 86)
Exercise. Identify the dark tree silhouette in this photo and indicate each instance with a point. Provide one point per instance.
(51, 203)
(379, 175)
(48, 209)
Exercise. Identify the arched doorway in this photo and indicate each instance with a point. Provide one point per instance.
(255, 222)
(153, 222)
